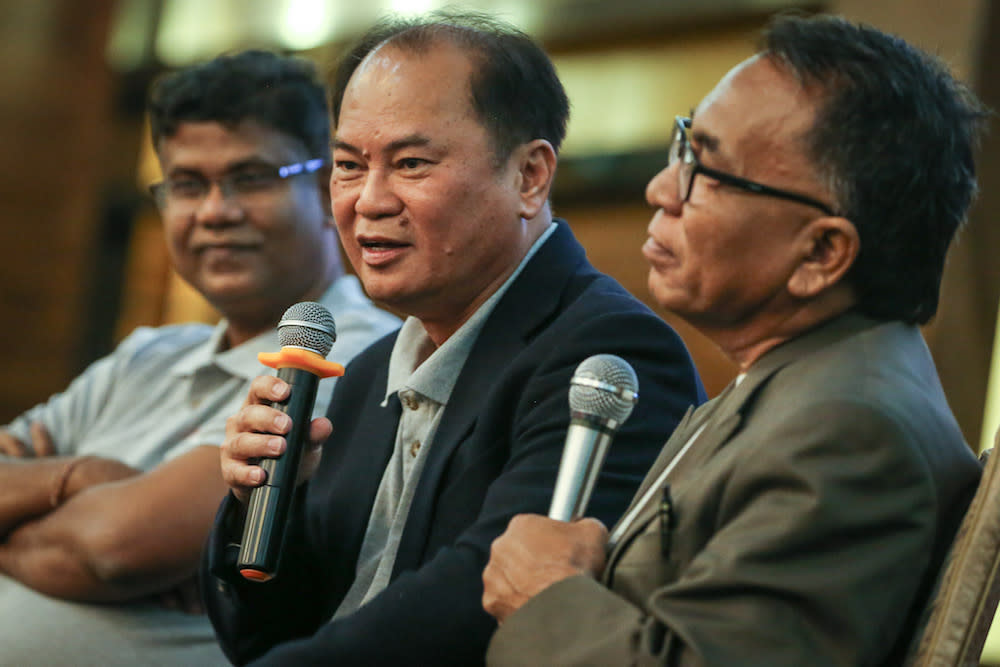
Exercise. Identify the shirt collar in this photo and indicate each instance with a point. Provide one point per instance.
(436, 376)
(241, 361)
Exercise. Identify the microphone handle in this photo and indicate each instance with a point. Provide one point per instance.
(587, 441)
(268, 509)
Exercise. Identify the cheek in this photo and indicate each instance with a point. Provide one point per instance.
(176, 237)
(342, 200)
(342, 208)
(714, 242)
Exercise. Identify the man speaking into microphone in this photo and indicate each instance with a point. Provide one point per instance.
(446, 135)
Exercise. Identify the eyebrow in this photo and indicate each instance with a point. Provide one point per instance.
(253, 161)
(702, 139)
(405, 142)
(705, 141)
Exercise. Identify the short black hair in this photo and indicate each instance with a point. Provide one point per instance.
(895, 137)
(280, 92)
(514, 89)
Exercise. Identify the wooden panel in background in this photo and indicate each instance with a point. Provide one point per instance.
(613, 235)
(55, 94)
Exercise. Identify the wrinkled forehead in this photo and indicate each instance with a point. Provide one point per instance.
(397, 57)
(758, 106)
(405, 87)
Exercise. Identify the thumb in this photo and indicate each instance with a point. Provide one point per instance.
(41, 440)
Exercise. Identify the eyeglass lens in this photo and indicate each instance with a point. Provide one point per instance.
(243, 183)
(680, 151)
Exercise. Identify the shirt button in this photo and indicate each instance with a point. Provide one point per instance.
(414, 447)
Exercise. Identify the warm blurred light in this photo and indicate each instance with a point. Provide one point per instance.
(178, 32)
(525, 15)
(129, 45)
(410, 7)
(192, 30)
(148, 167)
(628, 98)
(306, 23)
(991, 419)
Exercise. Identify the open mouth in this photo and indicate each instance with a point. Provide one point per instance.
(382, 245)
(381, 252)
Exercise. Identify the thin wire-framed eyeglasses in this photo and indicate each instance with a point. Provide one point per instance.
(690, 166)
(243, 184)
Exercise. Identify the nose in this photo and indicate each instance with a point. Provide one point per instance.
(663, 190)
(218, 207)
(377, 198)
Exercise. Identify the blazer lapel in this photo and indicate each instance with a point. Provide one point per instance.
(722, 417)
(529, 302)
(666, 455)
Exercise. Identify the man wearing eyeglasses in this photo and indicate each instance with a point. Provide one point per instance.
(799, 518)
(109, 489)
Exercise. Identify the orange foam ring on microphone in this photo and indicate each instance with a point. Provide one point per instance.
(255, 575)
(296, 357)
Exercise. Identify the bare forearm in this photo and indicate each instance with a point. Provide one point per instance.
(38, 547)
(52, 568)
(31, 488)
(120, 540)
(26, 489)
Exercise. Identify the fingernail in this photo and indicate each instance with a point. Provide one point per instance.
(257, 476)
(276, 445)
(282, 422)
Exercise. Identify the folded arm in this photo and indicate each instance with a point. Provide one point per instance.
(26, 489)
(119, 534)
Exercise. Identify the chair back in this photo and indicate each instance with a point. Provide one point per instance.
(962, 608)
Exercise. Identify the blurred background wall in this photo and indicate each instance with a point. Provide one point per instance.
(83, 261)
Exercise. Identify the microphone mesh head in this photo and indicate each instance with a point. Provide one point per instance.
(605, 403)
(308, 325)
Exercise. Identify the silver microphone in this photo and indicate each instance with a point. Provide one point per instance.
(602, 393)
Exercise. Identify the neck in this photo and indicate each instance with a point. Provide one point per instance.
(748, 342)
(244, 325)
(440, 326)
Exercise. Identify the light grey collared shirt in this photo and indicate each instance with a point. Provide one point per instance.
(166, 390)
(161, 393)
(423, 385)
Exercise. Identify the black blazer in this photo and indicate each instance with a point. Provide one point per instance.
(495, 454)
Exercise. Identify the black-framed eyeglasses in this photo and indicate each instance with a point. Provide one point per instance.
(243, 183)
(682, 151)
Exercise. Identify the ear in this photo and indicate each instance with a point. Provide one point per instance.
(829, 247)
(536, 164)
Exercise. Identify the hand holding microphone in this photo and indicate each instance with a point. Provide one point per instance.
(535, 551)
(306, 333)
(602, 393)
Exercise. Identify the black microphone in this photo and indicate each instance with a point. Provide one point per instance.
(602, 393)
(306, 333)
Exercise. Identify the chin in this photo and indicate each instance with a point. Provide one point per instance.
(230, 292)
(667, 297)
(382, 294)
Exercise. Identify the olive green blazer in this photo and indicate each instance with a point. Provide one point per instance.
(804, 526)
